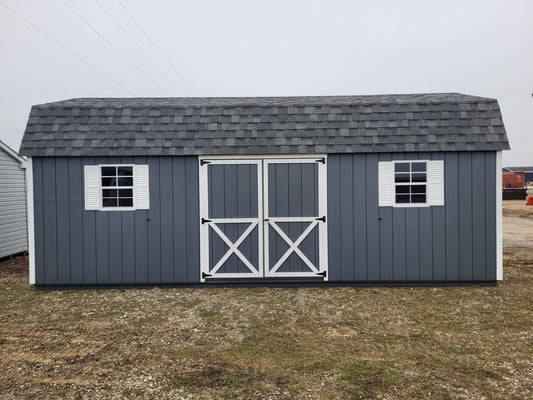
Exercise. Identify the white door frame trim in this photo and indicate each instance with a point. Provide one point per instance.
(263, 221)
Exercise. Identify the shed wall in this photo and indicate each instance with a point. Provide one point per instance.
(367, 243)
(80, 247)
(13, 225)
(455, 242)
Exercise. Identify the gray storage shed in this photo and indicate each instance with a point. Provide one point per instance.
(286, 190)
(13, 223)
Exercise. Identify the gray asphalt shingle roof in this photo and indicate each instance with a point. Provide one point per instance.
(264, 125)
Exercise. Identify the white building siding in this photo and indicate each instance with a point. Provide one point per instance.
(13, 227)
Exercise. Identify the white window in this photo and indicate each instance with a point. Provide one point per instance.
(414, 183)
(116, 187)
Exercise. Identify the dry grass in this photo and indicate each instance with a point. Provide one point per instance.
(256, 343)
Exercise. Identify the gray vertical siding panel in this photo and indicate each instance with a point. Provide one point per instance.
(115, 238)
(412, 242)
(102, 239)
(128, 239)
(465, 216)
(457, 241)
(281, 185)
(398, 236)
(399, 244)
(193, 217)
(216, 210)
(334, 218)
(372, 217)
(230, 211)
(89, 238)
(102, 247)
(478, 216)
(141, 237)
(75, 246)
(439, 235)
(141, 243)
(180, 227)
(490, 215)
(360, 217)
(63, 221)
(154, 221)
(451, 201)
(386, 237)
(75, 186)
(425, 230)
(426, 243)
(347, 271)
(115, 247)
(295, 209)
(38, 214)
(167, 219)
(244, 210)
(50, 215)
(128, 251)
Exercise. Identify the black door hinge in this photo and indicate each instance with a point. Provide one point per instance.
(204, 220)
(203, 162)
(204, 275)
(323, 219)
(323, 273)
(321, 160)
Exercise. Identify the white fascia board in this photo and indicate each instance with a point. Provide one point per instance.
(30, 217)
(499, 227)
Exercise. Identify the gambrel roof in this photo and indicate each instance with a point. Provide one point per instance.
(264, 125)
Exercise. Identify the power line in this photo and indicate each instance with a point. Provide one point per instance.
(67, 49)
(115, 48)
(157, 48)
(139, 47)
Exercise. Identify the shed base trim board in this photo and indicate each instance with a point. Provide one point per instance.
(246, 283)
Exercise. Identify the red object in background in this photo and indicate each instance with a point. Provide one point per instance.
(513, 180)
(529, 201)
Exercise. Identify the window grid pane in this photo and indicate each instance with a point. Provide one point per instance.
(117, 186)
(410, 182)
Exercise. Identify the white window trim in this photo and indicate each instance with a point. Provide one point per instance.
(387, 185)
(136, 187)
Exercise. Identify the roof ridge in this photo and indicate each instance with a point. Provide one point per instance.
(264, 101)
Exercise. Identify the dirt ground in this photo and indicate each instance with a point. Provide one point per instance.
(517, 208)
(518, 227)
(274, 343)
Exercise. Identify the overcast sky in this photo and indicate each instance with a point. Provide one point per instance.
(269, 48)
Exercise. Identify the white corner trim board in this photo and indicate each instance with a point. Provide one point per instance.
(499, 226)
(31, 219)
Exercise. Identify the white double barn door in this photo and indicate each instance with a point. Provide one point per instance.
(263, 218)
